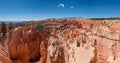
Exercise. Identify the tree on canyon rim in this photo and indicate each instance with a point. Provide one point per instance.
(3, 28)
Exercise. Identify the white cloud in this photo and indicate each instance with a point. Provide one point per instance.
(61, 5)
(71, 7)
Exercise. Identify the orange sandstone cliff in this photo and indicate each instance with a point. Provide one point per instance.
(69, 41)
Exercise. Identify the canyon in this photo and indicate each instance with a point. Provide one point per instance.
(70, 40)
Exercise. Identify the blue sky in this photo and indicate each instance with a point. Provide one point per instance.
(19, 10)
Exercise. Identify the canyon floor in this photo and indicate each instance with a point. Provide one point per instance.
(71, 40)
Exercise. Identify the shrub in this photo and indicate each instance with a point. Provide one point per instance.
(40, 28)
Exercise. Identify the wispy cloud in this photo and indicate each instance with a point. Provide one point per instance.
(61, 5)
(71, 7)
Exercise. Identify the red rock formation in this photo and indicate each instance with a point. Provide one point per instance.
(25, 45)
(56, 52)
(87, 43)
(76, 41)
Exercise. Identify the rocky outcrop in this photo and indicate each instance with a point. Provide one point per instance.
(86, 42)
(24, 46)
(56, 52)
(72, 41)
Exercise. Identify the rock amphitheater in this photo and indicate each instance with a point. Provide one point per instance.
(70, 41)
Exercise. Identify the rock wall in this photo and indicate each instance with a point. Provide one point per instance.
(75, 41)
(86, 42)
(24, 45)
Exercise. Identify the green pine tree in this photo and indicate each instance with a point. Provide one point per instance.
(3, 28)
(10, 27)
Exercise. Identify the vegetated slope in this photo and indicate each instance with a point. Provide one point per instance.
(63, 41)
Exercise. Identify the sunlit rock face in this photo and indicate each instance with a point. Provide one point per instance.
(56, 52)
(72, 41)
(24, 46)
(85, 42)
(71, 45)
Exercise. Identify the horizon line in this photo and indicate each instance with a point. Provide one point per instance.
(58, 18)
